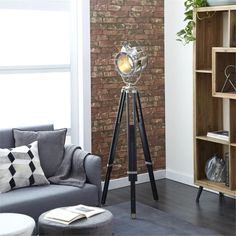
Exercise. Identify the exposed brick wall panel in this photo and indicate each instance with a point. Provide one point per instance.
(112, 23)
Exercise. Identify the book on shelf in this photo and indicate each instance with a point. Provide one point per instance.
(67, 215)
(219, 134)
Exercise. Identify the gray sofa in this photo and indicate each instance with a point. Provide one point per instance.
(35, 200)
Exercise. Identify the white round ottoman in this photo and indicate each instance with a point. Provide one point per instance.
(12, 224)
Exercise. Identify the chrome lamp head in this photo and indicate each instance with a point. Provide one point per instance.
(130, 62)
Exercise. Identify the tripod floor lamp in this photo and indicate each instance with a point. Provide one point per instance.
(130, 62)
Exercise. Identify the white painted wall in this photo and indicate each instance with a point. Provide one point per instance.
(179, 97)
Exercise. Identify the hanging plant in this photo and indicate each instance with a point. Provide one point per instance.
(186, 35)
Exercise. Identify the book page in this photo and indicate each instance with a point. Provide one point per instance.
(85, 210)
(67, 215)
(62, 214)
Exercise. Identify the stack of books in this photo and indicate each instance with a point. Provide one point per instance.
(219, 134)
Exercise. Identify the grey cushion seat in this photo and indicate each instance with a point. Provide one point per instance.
(30, 199)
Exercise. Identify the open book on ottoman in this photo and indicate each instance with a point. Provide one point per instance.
(67, 215)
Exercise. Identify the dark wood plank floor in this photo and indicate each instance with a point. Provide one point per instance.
(179, 200)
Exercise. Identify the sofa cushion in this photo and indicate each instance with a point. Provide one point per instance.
(51, 146)
(6, 134)
(35, 200)
(20, 167)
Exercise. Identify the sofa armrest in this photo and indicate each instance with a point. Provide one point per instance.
(92, 166)
(93, 172)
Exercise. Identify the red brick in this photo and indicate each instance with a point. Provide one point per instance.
(114, 7)
(112, 23)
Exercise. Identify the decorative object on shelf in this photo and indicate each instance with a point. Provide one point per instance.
(229, 70)
(219, 134)
(130, 62)
(186, 35)
(221, 2)
(215, 169)
(227, 169)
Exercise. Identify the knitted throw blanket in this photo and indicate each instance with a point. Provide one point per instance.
(71, 171)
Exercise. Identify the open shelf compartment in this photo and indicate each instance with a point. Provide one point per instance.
(209, 110)
(210, 28)
(206, 150)
(224, 72)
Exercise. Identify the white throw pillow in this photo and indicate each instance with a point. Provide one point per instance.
(20, 167)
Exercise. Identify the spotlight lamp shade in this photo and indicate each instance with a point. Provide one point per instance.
(130, 62)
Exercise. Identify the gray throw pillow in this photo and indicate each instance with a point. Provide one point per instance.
(50, 143)
(20, 167)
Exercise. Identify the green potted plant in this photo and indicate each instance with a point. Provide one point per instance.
(186, 35)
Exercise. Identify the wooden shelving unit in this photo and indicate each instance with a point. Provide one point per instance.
(214, 108)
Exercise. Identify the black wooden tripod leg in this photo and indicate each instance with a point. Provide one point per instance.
(133, 200)
(199, 193)
(132, 158)
(146, 150)
(113, 146)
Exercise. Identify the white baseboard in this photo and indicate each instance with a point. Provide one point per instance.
(158, 174)
(142, 178)
(180, 177)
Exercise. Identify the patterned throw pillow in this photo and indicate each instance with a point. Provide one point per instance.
(20, 167)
